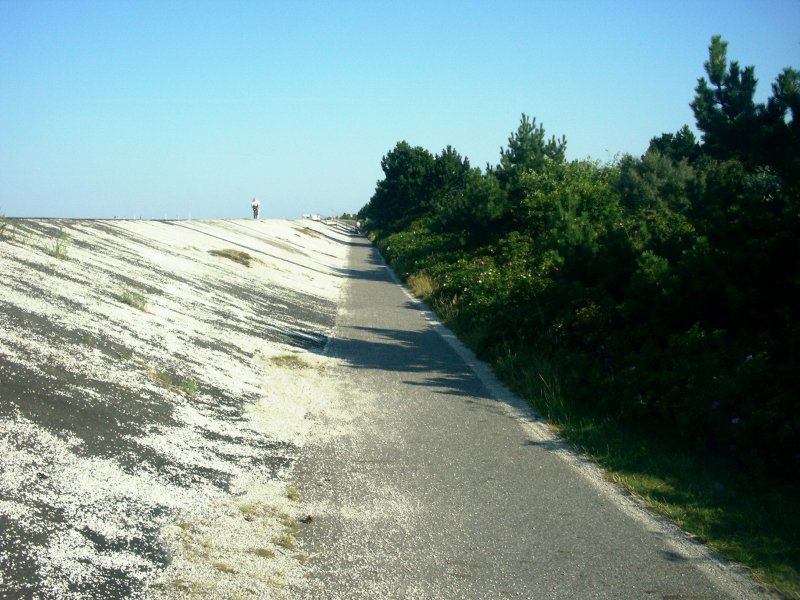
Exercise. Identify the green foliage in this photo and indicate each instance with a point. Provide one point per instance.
(403, 193)
(417, 248)
(734, 126)
(662, 293)
(656, 182)
(725, 110)
(470, 211)
(678, 146)
(528, 151)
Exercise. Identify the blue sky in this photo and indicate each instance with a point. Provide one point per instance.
(174, 109)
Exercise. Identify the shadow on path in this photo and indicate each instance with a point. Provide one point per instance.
(423, 355)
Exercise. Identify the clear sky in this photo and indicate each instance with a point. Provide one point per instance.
(131, 108)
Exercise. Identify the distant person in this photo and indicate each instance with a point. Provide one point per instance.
(256, 206)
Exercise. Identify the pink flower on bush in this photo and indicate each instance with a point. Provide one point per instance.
(735, 420)
(715, 405)
(749, 357)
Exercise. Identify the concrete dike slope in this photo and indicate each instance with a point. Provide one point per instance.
(149, 409)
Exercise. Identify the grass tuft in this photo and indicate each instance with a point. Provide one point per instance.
(162, 378)
(289, 361)
(310, 232)
(187, 387)
(134, 299)
(224, 567)
(15, 232)
(248, 508)
(60, 246)
(292, 493)
(422, 285)
(238, 256)
(286, 540)
(252, 510)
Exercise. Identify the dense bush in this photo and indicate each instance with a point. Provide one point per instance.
(670, 282)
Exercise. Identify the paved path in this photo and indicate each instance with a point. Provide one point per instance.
(440, 490)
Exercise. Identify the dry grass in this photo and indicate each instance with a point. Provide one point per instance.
(224, 567)
(238, 256)
(292, 493)
(422, 285)
(286, 540)
(251, 509)
(289, 361)
(187, 387)
(310, 232)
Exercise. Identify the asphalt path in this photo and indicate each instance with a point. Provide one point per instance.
(446, 486)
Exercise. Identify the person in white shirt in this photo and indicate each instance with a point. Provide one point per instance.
(256, 206)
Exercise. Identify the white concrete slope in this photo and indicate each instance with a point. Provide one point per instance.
(149, 415)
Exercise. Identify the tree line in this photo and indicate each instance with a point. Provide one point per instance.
(665, 287)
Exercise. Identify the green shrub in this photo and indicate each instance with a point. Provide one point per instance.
(662, 292)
